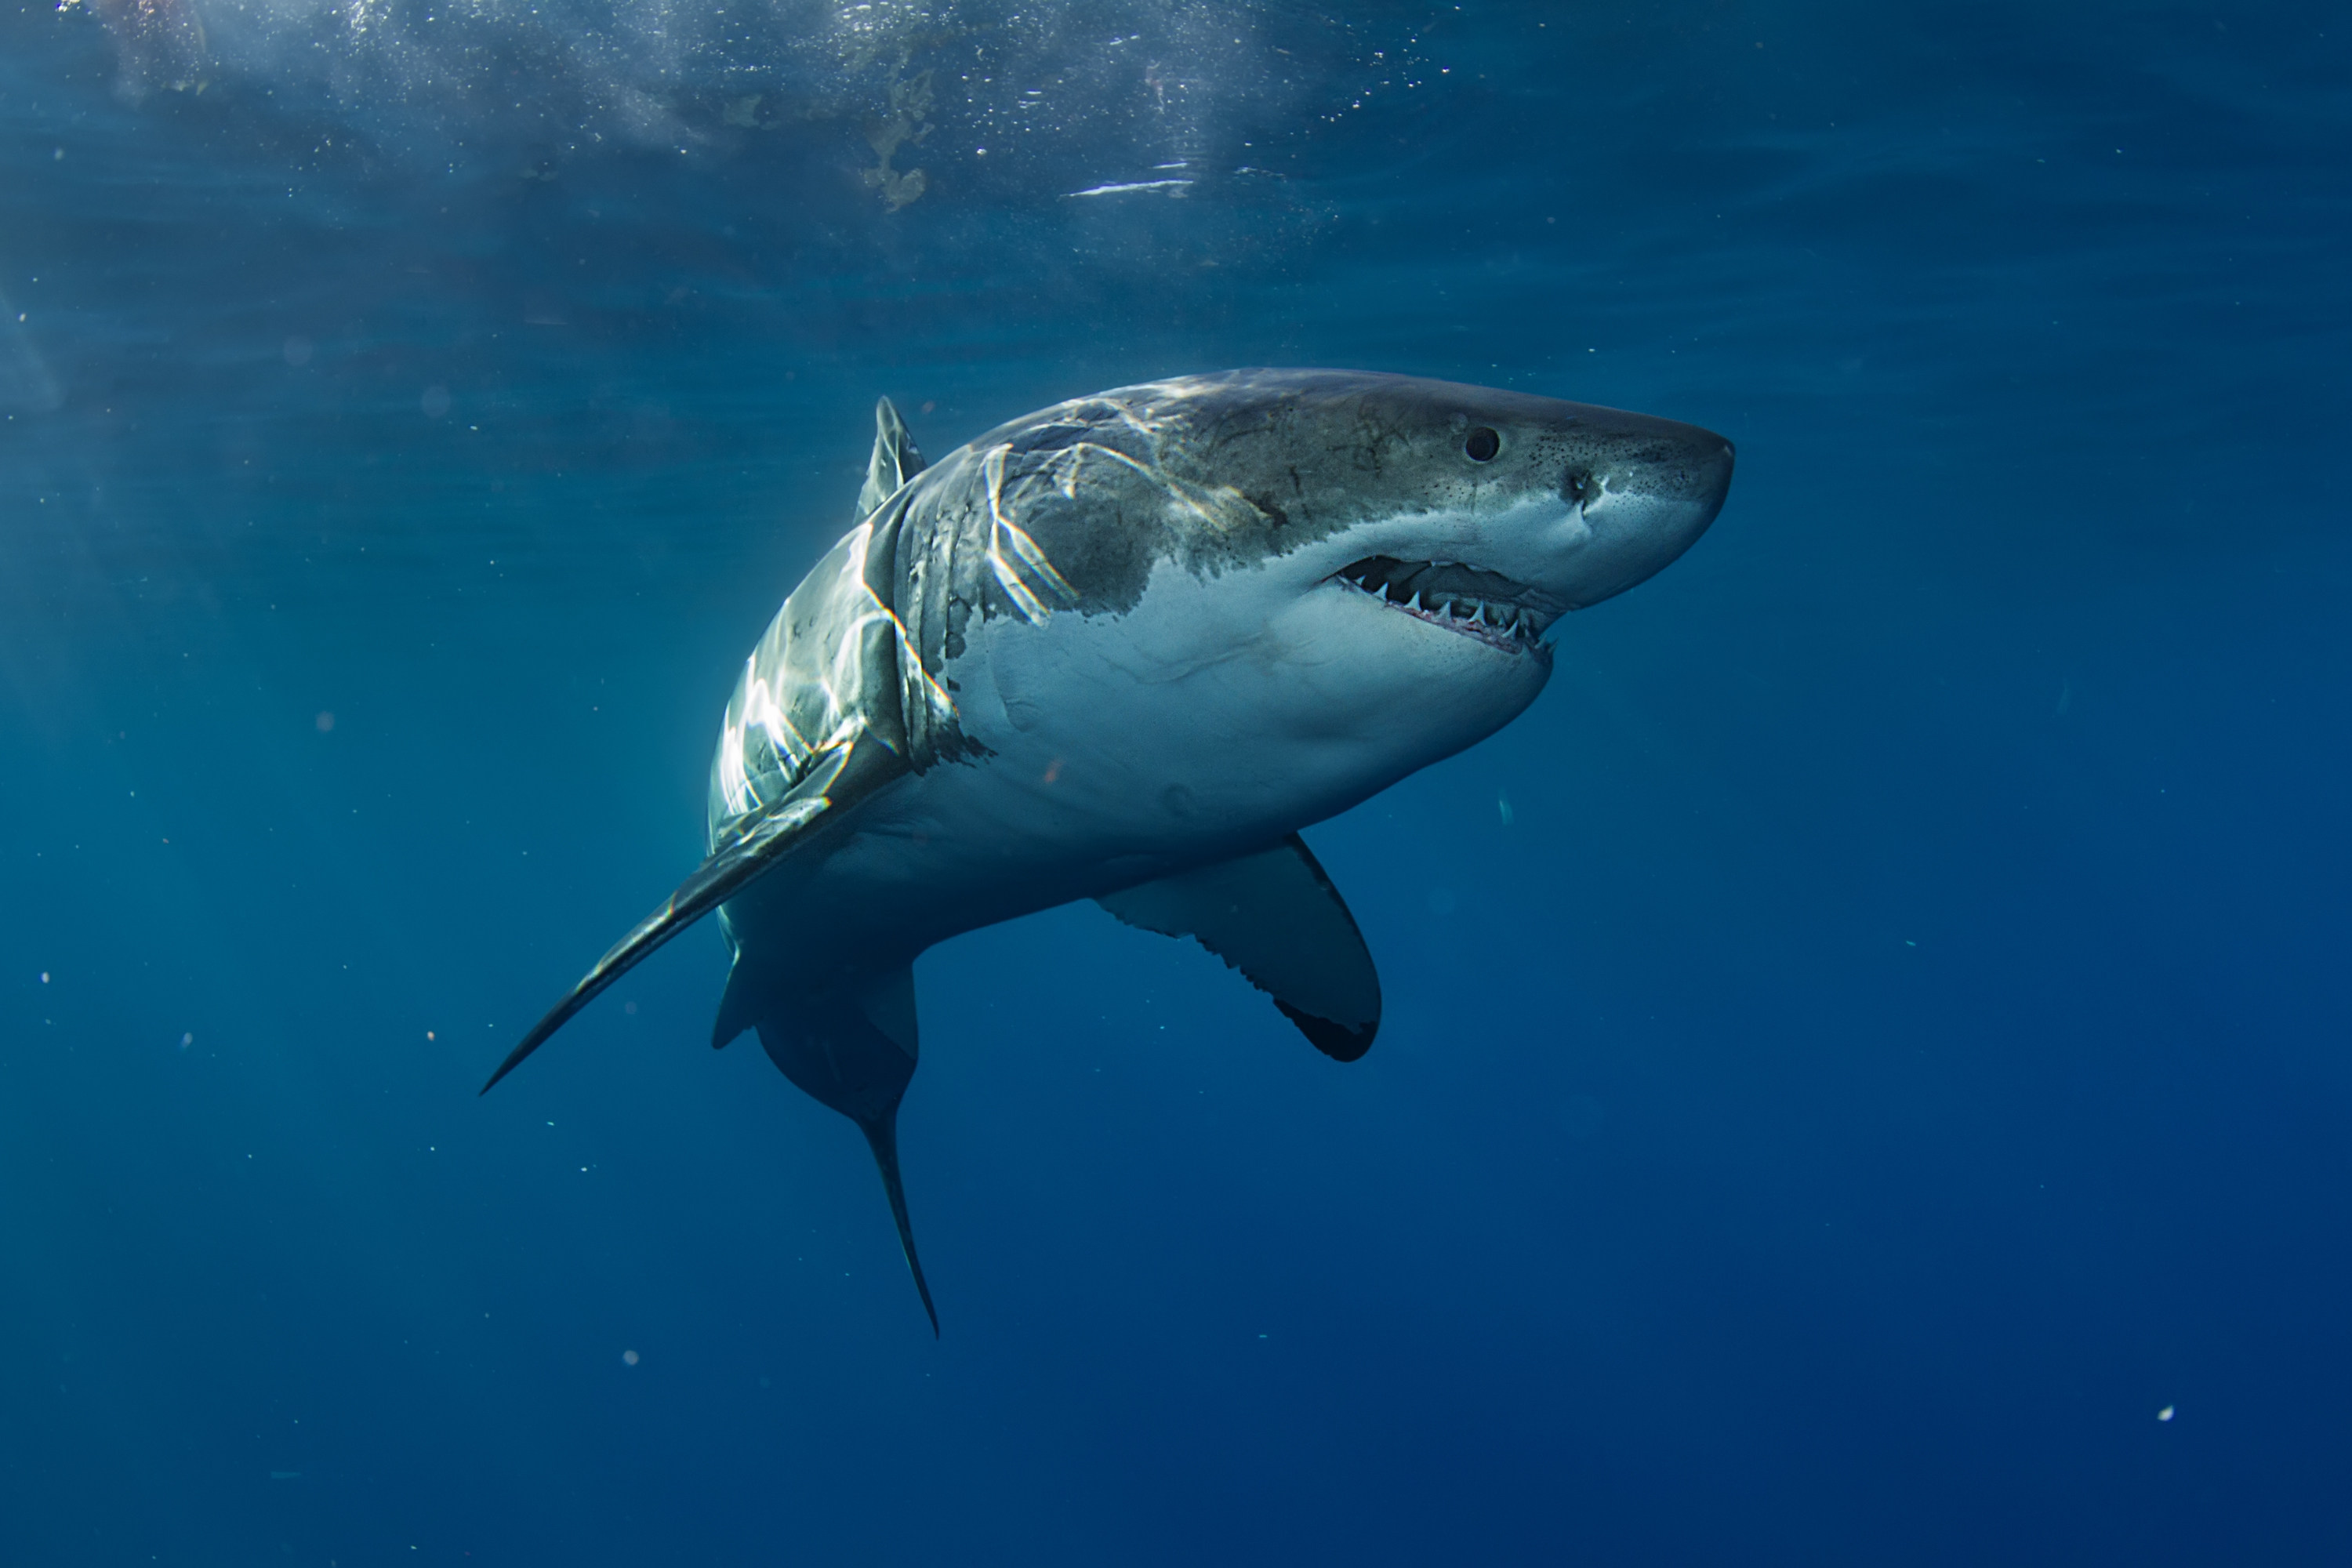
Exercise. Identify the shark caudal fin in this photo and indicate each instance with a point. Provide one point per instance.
(853, 1048)
(882, 1137)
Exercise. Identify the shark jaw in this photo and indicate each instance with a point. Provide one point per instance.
(1465, 600)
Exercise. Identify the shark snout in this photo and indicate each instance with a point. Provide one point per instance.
(1646, 496)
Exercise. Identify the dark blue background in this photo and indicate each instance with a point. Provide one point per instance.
(1891, 1047)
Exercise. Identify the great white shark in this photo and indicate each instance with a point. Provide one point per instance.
(1124, 648)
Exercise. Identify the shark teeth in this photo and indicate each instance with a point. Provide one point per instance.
(1483, 605)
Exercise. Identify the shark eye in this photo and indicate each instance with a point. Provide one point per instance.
(1481, 445)
(1577, 487)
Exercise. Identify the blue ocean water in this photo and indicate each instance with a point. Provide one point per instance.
(1865, 1077)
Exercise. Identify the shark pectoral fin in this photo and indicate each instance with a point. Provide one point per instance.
(838, 781)
(895, 460)
(1276, 918)
(853, 1048)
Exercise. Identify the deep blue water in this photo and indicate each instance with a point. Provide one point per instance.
(1870, 1039)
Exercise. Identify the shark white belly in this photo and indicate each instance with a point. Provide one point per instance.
(1124, 649)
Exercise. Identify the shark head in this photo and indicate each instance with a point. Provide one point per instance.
(1372, 565)
(1461, 513)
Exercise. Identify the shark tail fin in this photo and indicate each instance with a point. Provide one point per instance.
(851, 1048)
(882, 1137)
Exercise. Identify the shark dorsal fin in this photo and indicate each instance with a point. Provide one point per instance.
(895, 459)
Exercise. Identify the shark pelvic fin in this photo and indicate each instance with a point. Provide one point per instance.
(853, 1048)
(895, 460)
(1276, 916)
(739, 1005)
(839, 780)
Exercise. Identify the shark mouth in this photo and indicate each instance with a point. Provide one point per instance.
(1486, 606)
